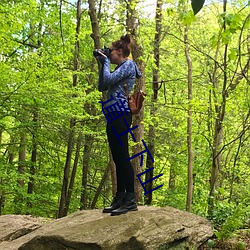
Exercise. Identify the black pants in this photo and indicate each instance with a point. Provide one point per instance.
(124, 169)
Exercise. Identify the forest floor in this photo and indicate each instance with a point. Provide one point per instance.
(241, 242)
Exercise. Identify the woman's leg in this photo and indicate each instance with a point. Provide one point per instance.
(124, 169)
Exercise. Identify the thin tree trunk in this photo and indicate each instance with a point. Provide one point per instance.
(99, 189)
(33, 157)
(34, 144)
(88, 139)
(214, 81)
(189, 125)
(21, 159)
(64, 191)
(97, 44)
(2, 197)
(151, 133)
(22, 152)
(73, 174)
(172, 170)
(1, 180)
(113, 173)
(245, 122)
(32, 167)
(85, 169)
(234, 168)
(19, 199)
(172, 178)
(11, 155)
(218, 130)
(1, 135)
(137, 53)
(77, 43)
(95, 24)
(66, 170)
(2, 200)
(78, 144)
(35, 112)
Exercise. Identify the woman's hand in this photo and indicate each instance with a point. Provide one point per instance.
(101, 58)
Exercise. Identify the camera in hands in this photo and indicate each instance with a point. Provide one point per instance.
(98, 52)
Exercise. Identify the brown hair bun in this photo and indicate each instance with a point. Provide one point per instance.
(124, 44)
(126, 39)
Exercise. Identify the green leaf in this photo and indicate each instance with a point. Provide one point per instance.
(197, 5)
(233, 54)
(241, 245)
(188, 17)
(226, 36)
(210, 244)
(170, 11)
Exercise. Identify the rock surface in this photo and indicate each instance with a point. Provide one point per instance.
(148, 228)
(15, 226)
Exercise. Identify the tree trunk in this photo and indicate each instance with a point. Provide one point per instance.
(217, 142)
(66, 176)
(97, 44)
(245, 123)
(2, 201)
(85, 169)
(77, 43)
(64, 191)
(21, 159)
(33, 157)
(35, 112)
(32, 167)
(1, 135)
(11, 152)
(172, 170)
(9, 160)
(98, 191)
(172, 178)
(73, 174)
(19, 199)
(218, 127)
(1, 179)
(95, 24)
(151, 133)
(189, 125)
(137, 53)
(113, 173)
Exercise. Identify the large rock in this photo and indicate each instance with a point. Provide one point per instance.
(15, 226)
(148, 228)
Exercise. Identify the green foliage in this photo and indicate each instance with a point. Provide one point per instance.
(221, 212)
(38, 80)
(234, 221)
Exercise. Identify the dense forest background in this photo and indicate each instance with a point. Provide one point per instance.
(54, 155)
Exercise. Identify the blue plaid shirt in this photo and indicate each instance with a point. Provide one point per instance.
(113, 82)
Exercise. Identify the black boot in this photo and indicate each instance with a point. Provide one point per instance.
(117, 200)
(128, 204)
